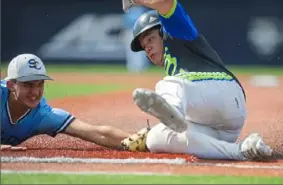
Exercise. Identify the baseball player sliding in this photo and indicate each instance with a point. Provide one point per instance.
(200, 103)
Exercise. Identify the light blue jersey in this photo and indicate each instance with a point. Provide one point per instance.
(41, 120)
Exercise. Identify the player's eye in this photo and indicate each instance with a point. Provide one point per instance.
(27, 85)
(150, 39)
(41, 84)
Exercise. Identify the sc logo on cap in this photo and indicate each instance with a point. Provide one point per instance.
(34, 64)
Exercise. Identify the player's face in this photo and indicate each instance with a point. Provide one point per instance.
(29, 93)
(152, 43)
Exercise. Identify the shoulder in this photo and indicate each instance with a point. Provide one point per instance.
(47, 110)
(43, 102)
(43, 107)
(3, 84)
(4, 89)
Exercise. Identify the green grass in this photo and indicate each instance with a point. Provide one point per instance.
(132, 179)
(91, 68)
(61, 90)
(88, 68)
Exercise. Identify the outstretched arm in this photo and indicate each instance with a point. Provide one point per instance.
(109, 136)
(57, 121)
(106, 136)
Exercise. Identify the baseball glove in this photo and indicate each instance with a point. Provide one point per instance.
(136, 142)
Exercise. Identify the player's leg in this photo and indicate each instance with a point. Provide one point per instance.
(167, 103)
(205, 143)
(212, 104)
(199, 140)
(163, 139)
(176, 101)
(220, 105)
(215, 103)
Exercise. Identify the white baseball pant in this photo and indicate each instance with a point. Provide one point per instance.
(216, 112)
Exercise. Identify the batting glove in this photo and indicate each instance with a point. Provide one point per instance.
(127, 4)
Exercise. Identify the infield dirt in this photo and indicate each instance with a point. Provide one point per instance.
(265, 115)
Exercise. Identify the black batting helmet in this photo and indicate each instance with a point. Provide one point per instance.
(146, 21)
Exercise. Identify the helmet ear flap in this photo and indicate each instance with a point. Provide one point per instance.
(161, 32)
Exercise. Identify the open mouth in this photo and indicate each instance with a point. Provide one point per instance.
(33, 99)
(152, 55)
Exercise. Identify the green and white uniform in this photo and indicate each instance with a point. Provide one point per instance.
(203, 89)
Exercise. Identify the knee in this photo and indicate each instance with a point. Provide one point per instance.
(155, 139)
(163, 139)
(173, 92)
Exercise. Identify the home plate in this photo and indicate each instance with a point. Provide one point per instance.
(265, 81)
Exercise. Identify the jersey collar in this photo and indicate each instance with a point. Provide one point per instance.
(9, 114)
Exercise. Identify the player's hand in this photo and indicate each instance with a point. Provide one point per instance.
(12, 148)
(127, 4)
(136, 142)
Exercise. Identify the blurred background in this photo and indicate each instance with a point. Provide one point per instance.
(75, 32)
(94, 31)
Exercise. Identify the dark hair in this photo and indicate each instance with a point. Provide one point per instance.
(13, 80)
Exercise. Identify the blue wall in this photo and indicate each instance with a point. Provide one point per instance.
(91, 30)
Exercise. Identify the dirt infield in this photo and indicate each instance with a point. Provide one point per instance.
(265, 115)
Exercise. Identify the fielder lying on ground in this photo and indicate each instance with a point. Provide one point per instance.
(25, 113)
(200, 103)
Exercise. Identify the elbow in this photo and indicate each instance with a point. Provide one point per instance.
(167, 7)
(194, 33)
(100, 140)
(191, 31)
(162, 6)
(189, 35)
(105, 130)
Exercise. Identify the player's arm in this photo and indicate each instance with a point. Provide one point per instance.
(107, 136)
(162, 6)
(173, 17)
(60, 121)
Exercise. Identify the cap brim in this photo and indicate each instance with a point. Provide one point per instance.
(31, 78)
